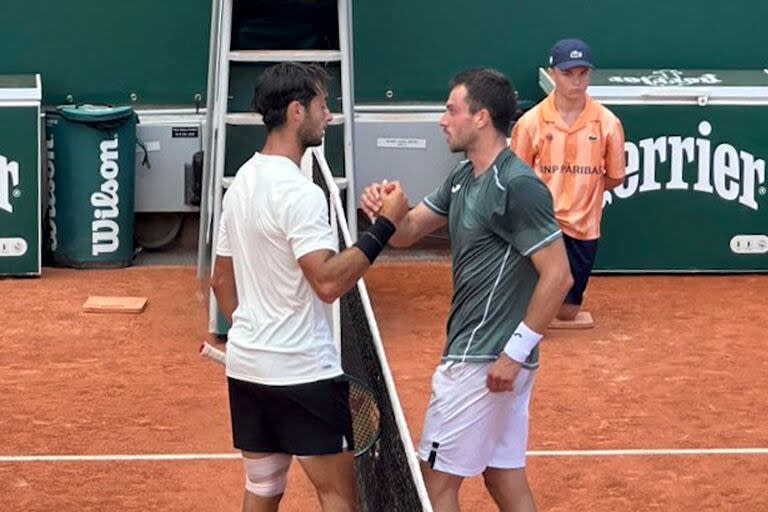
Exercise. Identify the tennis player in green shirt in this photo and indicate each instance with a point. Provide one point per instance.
(510, 275)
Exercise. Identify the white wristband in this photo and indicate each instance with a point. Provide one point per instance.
(522, 341)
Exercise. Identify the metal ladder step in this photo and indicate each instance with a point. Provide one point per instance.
(222, 60)
(341, 182)
(253, 119)
(285, 56)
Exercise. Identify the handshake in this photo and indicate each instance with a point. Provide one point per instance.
(385, 199)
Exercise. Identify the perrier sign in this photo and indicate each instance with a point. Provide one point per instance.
(695, 194)
(19, 175)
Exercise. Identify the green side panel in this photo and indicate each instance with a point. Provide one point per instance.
(243, 141)
(101, 51)
(242, 81)
(413, 48)
(284, 25)
(93, 192)
(334, 149)
(719, 190)
(20, 190)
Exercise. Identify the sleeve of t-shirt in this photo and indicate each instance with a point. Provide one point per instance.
(525, 218)
(439, 201)
(223, 247)
(521, 142)
(615, 161)
(303, 217)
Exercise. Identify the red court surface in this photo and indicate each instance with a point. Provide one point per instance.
(673, 363)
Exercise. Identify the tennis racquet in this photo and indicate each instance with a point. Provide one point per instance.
(366, 417)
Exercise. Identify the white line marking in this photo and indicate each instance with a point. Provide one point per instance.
(123, 458)
(236, 456)
(626, 453)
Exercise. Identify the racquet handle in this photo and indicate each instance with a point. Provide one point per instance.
(211, 352)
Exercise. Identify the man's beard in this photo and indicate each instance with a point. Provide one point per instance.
(457, 146)
(461, 144)
(307, 140)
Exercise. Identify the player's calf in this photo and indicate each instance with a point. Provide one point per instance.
(568, 312)
(509, 489)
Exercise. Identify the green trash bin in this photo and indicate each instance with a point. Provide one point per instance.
(93, 150)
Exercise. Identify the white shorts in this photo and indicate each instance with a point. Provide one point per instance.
(467, 428)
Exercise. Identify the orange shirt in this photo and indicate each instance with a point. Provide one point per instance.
(573, 161)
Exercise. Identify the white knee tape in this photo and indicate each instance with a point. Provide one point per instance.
(267, 476)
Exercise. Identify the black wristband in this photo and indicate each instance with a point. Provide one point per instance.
(375, 239)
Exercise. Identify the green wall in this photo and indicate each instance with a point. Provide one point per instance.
(413, 48)
(104, 50)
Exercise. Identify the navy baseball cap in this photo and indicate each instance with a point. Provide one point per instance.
(570, 53)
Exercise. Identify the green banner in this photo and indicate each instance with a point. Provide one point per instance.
(695, 194)
(19, 191)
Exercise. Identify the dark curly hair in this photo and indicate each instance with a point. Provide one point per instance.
(283, 83)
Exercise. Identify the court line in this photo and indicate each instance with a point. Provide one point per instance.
(648, 452)
(120, 458)
(533, 453)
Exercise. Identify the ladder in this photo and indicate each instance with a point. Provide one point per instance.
(219, 119)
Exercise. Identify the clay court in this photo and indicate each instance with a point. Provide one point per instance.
(108, 412)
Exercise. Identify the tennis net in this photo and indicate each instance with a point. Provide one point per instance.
(388, 475)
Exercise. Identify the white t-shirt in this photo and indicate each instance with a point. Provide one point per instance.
(272, 216)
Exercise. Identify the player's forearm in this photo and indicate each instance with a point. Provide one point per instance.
(548, 296)
(405, 236)
(226, 297)
(554, 282)
(418, 223)
(340, 273)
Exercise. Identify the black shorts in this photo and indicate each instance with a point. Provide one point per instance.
(581, 256)
(303, 419)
